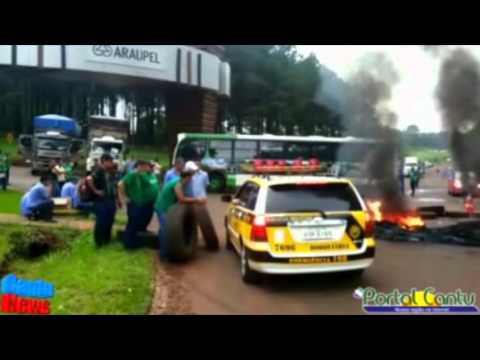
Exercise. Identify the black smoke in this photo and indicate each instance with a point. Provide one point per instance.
(370, 116)
(458, 94)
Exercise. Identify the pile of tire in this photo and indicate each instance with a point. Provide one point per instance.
(181, 232)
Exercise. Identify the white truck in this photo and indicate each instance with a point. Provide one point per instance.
(107, 135)
(409, 163)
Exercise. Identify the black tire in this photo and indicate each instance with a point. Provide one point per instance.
(356, 273)
(218, 182)
(249, 276)
(181, 234)
(228, 240)
(207, 228)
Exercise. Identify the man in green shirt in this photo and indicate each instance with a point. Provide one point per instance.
(172, 193)
(69, 169)
(414, 176)
(138, 191)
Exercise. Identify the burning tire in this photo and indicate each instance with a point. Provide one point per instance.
(207, 228)
(181, 233)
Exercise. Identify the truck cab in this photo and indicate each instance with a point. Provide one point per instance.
(54, 137)
(409, 163)
(107, 135)
(106, 145)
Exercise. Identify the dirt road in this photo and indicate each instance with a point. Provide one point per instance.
(213, 284)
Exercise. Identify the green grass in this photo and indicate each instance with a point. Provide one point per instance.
(432, 155)
(138, 152)
(10, 202)
(7, 229)
(89, 281)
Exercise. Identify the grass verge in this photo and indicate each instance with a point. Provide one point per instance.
(10, 202)
(90, 281)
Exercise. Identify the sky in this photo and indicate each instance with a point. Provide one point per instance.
(414, 97)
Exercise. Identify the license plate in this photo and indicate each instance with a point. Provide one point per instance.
(314, 234)
(323, 260)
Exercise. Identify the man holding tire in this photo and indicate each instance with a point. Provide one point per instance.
(139, 191)
(171, 194)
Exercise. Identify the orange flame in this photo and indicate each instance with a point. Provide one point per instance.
(407, 221)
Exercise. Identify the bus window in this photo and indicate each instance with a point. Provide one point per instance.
(324, 152)
(192, 150)
(245, 150)
(221, 150)
(298, 151)
(271, 150)
(354, 153)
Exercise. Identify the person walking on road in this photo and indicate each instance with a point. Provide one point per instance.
(172, 193)
(138, 191)
(103, 185)
(414, 177)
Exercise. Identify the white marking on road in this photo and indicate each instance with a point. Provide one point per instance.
(430, 200)
(430, 191)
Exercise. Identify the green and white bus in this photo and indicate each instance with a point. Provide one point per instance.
(226, 156)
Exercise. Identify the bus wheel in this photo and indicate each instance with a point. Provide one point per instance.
(217, 182)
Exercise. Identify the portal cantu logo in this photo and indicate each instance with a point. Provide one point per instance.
(103, 50)
(428, 300)
(25, 296)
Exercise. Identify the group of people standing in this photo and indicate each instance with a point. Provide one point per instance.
(138, 191)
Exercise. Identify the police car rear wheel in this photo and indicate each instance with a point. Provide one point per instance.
(228, 240)
(357, 273)
(248, 275)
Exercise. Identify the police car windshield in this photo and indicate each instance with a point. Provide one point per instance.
(310, 198)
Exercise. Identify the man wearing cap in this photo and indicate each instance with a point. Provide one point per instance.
(197, 188)
(139, 191)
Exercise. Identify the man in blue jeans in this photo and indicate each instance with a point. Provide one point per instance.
(103, 185)
(139, 191)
